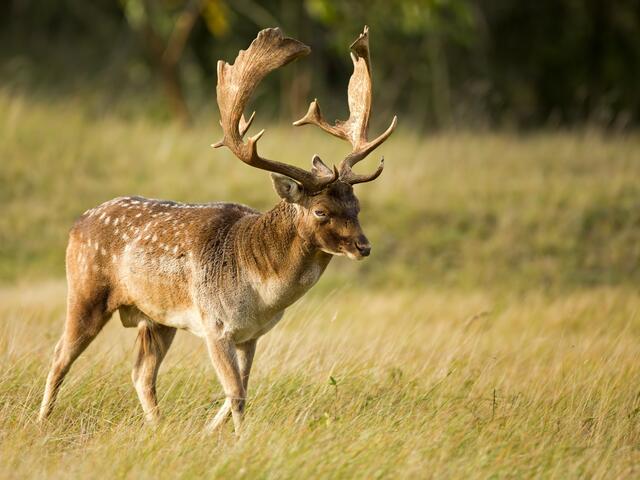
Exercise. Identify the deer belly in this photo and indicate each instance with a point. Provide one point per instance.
(184, 319)
(242, 332)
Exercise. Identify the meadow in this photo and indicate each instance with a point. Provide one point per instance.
(494, 332)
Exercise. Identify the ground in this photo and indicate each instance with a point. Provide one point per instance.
(363, 384)
(493, 332)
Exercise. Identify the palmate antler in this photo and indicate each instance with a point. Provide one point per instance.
(354, 130)
(270, 50)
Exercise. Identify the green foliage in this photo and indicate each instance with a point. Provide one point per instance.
(438, 63)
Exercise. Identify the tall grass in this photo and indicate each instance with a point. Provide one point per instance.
(388, 384)
(552, 210)
(493, 332)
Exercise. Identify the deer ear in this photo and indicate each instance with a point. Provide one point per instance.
(287, 188)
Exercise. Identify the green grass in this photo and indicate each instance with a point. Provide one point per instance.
(493, 332)
(461, 210)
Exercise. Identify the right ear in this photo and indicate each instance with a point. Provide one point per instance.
(287, 188)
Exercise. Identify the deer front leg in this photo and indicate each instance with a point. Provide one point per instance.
(223, 356)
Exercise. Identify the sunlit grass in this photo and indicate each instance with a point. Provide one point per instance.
(427, 383)
(493, 332)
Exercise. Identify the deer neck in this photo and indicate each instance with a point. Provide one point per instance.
(278, 258)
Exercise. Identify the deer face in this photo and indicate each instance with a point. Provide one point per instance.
(329, 219)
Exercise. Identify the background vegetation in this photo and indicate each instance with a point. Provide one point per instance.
(440, 63)
(548, 210)
(492, 333)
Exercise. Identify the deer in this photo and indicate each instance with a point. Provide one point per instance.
(221, 271)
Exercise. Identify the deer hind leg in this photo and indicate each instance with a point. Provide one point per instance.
(84, 321)
(223, 356)
(154, 341)
(245, 352)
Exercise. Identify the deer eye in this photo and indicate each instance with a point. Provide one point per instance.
(320, 213)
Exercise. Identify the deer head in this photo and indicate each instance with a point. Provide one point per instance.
(325, 204)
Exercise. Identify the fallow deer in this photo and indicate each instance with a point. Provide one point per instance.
(222, 271)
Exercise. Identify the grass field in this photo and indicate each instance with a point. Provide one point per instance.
(493, 333)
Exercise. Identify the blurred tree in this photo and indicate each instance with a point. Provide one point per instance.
(413, 40)
(442, 63)
(165, 32)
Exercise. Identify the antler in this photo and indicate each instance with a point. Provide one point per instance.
(354, 130)
(236, 83)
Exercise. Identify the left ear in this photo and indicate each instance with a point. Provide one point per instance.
(287, 188)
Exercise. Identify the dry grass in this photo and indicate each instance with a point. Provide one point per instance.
(493, 332)
(427, 384)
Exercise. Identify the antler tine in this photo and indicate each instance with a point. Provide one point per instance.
(354, 130)
(270, 50)
(314, 116)
(348, 176)
(244, 125)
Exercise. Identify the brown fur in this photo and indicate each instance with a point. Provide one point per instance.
(146, 340)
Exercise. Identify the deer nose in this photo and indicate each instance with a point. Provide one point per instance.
(363, 246)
